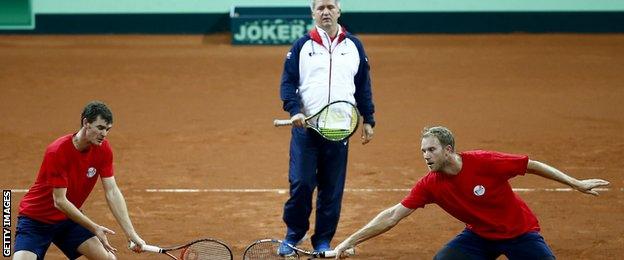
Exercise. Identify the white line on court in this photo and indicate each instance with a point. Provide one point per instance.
(219, 190)
(283, 191)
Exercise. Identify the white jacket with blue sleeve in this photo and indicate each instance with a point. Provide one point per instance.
(318, 71)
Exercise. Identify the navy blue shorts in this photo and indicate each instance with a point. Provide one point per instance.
(468, 245)
(35, 236)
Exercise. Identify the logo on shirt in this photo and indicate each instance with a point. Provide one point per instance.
(288, 55)
(91, 172)
(478, 190)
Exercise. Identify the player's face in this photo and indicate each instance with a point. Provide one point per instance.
(326, 13)
(97, 130)
(435, 156)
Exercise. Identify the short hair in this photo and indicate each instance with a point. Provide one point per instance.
(313, 3)
(94, 109)
(444, 135)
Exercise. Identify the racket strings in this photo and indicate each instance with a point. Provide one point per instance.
(337, 121)
(265, 250)
(207, 250)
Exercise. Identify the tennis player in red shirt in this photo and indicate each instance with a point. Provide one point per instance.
(50, 210)
(473, 187)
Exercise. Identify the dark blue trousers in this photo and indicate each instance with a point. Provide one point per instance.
(314, 163)
(468, 245)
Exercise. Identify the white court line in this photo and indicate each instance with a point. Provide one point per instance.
(283, 191)
(219, 190)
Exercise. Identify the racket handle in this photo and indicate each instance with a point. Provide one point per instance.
(146, 248)
(282, 122)
(150, 248)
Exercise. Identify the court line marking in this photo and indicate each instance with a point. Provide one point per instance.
(283, 191)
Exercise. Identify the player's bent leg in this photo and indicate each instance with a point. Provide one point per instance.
(32, 239)
(527, 246)
(24, 255)
(468, 245)
(450, 253)
(93, 249)
(74, 240)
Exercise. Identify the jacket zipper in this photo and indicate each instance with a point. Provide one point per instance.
(330, 75)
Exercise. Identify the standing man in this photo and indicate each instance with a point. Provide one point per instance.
(325, 65)
(50, 210)
(474, 187)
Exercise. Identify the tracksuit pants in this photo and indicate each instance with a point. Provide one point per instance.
(314, 163)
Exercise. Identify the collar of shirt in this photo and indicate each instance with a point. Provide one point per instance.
(322, 37)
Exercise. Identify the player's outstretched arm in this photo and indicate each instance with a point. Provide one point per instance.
(547, 171)
(117, 205)
(383, 222)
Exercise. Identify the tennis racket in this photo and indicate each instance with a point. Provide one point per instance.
(337, 121)
(268, 249)
(201, 249)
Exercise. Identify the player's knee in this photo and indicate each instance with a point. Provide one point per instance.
(108, 256)
(111, 256)
(99, 254)
(24, 255)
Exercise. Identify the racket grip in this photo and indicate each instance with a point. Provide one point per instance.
(147, 248)
(282, 122)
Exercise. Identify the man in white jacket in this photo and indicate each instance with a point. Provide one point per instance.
(325, 65)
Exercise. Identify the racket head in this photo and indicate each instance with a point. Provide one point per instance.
(337, 121)
(203, 249)
(266, 249)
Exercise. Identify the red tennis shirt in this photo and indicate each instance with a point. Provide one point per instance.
(65, 167)
(479, 195)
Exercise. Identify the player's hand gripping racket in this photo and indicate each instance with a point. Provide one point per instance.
(335, 122)
(268, 249)
(201, 249)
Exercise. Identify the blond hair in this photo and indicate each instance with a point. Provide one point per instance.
(443, 134)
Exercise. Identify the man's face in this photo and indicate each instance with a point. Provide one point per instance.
(326, 13)
(97, 130)
(436, 157)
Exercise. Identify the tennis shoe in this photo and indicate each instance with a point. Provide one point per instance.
(322, 247)
(285, 250)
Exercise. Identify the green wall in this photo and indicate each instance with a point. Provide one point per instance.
(359, 16)
(221, 6)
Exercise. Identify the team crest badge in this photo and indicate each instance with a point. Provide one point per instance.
(478, 190)
(91, 172)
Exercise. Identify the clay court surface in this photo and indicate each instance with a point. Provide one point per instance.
(194, 112)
